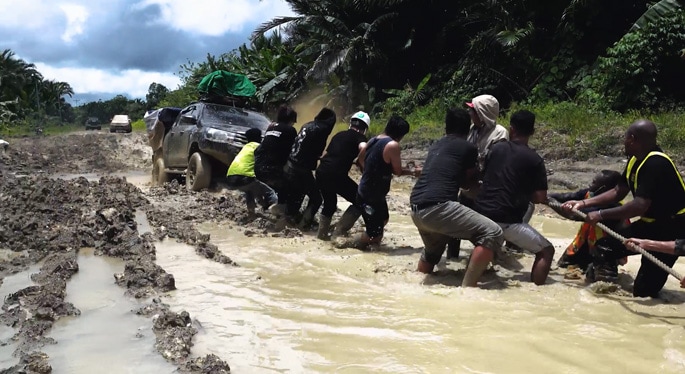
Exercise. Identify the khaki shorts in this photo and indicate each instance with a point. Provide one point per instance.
(439, 223)
(525, 237)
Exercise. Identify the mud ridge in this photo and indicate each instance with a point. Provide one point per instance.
(48, 220)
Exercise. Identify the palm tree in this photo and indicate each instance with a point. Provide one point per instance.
(338, 37)
(18, 79)
(52, 96)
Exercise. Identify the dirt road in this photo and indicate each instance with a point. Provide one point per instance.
(64, 193)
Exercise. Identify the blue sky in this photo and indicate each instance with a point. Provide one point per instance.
(107, 47)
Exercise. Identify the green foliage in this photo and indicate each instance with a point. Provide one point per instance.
(138, 125)
(656, 12)
(24, 92)
(180, 97)
(155, 94)
(105, 110)
(637, 67)
(405, 101)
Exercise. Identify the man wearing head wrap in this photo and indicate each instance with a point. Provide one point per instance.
(484, 133)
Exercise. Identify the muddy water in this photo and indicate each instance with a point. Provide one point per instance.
(107, 335)
(299, 305)
(12, 284)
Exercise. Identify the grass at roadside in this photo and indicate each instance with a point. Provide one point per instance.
(564, 130)
(138, 125)
(27, 130)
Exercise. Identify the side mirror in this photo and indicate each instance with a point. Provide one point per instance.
(189, 118)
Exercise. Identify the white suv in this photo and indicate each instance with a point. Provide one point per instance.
(120, 122)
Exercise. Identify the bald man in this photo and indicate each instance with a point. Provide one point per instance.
(658, 201)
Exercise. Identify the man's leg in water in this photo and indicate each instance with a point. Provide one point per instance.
(454, 245)
(528, 239)
(375, 215)
(439, 223)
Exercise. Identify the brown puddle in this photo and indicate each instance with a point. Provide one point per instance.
(300, 305)
(107, 336)
(11, 284)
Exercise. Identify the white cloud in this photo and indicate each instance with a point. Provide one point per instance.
(27, 14)
(217, 17)
(135, 83)
(76, 17)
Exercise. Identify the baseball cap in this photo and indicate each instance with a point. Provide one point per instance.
(362, 116)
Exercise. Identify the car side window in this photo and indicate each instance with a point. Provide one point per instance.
(192, 110)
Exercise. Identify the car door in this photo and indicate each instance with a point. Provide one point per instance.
(176, 142)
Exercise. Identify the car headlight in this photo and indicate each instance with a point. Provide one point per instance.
(220, 136)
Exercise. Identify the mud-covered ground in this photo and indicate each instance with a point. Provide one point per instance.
(48, 213)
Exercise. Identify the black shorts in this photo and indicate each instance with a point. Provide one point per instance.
(375, 215)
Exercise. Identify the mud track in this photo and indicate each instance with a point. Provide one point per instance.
(48, 213)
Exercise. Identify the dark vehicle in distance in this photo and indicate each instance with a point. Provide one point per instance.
(93, 123)
(202, 142)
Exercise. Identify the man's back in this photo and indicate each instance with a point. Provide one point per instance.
(375, 181)
(274, 149)
(444, 170)
(513, 172)
(309, 145)
(341, 152)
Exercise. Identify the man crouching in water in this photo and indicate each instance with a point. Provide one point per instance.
(452, 162)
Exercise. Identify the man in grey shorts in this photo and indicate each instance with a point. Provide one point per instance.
(514, 177)
(452, 162)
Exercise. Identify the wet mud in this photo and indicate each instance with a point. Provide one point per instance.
(45, 222)
(48, 220)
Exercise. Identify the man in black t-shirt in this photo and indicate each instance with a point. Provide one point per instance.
(304, 157)
(658, 199)
(332, 175)
(514, 177)
(272, 153)
(452, 162)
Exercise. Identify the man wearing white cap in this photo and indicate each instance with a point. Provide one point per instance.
(333, 179)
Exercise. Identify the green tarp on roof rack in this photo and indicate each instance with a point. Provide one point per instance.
(225, 83)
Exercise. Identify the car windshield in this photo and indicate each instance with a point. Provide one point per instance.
(220, 115)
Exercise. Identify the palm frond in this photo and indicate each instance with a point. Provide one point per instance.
(657, 11)
(327, 63)
(270, 25)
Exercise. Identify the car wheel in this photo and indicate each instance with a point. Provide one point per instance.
(159, 176)
(199, 173)
(98, 128)
(112, 130)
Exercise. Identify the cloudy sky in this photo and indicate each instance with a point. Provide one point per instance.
(107, 47)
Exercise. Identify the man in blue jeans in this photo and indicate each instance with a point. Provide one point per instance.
(452, 163)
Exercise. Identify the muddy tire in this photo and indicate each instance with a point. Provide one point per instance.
(159, 176)
(199, 173)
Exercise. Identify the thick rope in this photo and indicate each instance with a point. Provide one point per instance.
(615, 235)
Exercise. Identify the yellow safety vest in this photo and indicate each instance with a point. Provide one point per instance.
(632, 179)
(243, 163)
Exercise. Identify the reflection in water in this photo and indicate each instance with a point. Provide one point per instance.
(300, 305)
(107, 336)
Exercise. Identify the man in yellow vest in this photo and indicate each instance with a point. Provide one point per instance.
(241, 176)
(658, 200)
